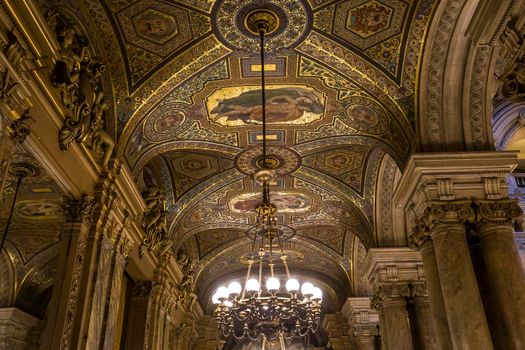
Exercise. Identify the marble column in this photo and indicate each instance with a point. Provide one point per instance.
(492, 311)
(376, 303)
(438, 317)
(426, 337)
(396, 323)
(495, 230)
(465, 314)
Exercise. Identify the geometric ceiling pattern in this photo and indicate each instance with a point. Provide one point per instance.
(341, 77)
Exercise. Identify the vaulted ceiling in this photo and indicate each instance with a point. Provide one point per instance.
(341, 79)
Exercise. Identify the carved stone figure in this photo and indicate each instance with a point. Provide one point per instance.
(187, 296)
(155, 220)
(78, 77)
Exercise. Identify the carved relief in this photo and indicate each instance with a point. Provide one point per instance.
(21, 128)
(78, 77)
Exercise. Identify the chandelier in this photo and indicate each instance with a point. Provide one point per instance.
(268, 313)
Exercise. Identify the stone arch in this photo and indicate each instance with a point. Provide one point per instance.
(456, 80)
(385, 235)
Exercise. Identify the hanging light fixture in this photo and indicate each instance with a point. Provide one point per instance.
(269, 312)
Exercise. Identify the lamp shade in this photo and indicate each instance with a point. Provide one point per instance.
(234, 288)
(273, 284)
(252, 285)
(307, 289)
(292, 285)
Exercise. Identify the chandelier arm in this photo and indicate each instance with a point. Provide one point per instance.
(250, 263)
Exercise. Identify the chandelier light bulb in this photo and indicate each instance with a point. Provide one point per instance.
(222, 293)
(273, 284)
(215, 299)
(292, 285)
(252, 285)
(317, 293)
(307, 289)
(234, 288)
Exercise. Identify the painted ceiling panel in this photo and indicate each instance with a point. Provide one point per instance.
(341, 76)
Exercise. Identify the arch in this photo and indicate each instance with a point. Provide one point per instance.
(456, 80)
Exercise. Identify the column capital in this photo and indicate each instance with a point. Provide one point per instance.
(392, 266)
(493, 213)
(448, 212)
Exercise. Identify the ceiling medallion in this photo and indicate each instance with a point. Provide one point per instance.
(235, 22)
(283, 161)
(253, 312)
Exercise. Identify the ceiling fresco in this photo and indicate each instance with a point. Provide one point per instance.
(341, 78)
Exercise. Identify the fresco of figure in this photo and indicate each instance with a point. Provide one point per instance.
(283, 105)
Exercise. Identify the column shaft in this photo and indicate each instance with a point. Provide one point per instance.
(465, 315)
(424, 330)
(396, 322)
(382, 330)
(507, 279)
(492, 311)
(437, 307)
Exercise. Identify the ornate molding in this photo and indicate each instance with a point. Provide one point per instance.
(436, 71)
(477, 97)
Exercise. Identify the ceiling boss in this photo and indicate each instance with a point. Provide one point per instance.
(253, 311)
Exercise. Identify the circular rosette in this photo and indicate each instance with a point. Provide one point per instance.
(283, 161)
(290, 22)
(366, 116)
(166, 121)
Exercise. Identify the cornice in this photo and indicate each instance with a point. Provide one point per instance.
(466, 170)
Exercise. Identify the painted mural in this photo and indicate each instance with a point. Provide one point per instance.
(286, 202)
(285, 104)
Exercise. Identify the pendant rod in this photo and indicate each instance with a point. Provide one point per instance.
(19, 180)
(263, 96)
